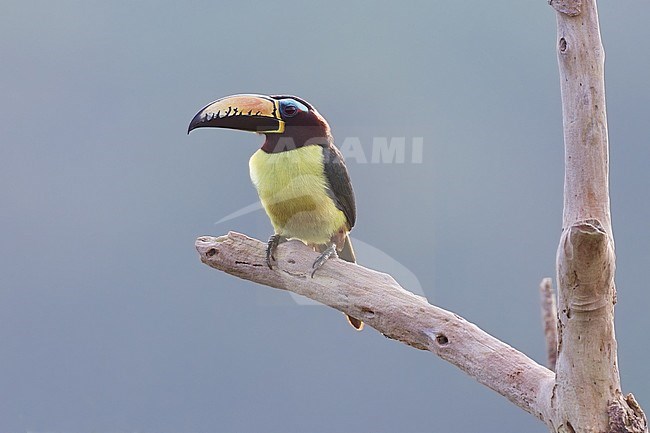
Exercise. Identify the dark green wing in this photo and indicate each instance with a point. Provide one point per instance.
(340, 187)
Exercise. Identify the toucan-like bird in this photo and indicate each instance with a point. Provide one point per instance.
(299, 174)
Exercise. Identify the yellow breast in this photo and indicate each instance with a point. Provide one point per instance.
(293, 189)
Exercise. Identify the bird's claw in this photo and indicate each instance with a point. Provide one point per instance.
(271, 246)
(324, 257)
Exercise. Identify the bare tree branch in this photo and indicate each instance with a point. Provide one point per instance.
(549, 320)
(379, 301)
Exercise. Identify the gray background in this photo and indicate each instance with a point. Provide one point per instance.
(109, 322)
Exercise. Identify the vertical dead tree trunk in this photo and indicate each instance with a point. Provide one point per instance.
(587, 393)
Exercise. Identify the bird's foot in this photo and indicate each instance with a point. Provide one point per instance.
(325, 256)
(271, 246)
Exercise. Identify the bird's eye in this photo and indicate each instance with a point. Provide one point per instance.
(289, 110)
(289, 107)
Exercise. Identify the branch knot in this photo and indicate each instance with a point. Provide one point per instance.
(572, 8)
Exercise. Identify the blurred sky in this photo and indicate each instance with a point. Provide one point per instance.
(110, 323)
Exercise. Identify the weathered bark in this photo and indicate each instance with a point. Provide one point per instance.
(588, 385)
(381, 303)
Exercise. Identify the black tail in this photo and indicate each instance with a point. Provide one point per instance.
(347, 253)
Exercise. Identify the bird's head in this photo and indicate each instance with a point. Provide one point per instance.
(288, 122)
